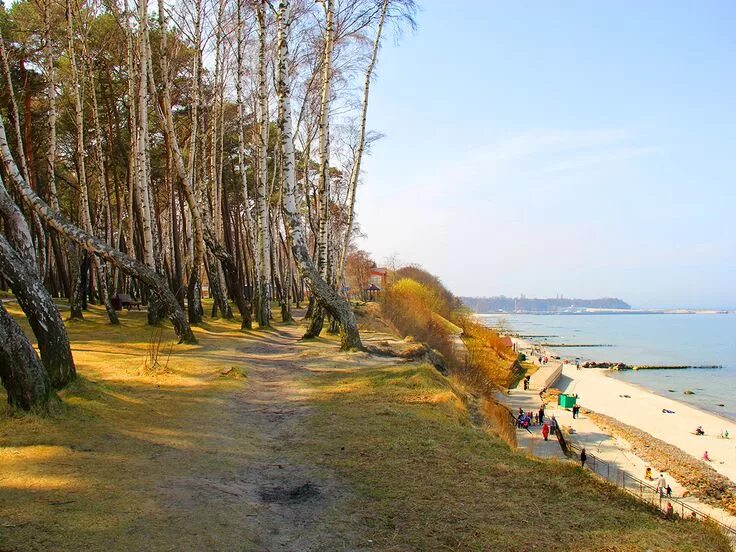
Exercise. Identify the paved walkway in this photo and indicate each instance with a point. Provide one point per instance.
(532, 440)
(547, 374)
(617, 452)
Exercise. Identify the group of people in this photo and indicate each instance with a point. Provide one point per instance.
(526, 419)
(663, 488)
(700, 431)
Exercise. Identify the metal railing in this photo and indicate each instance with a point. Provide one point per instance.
(645, 491)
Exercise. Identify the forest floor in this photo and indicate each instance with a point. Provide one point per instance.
(259, 441)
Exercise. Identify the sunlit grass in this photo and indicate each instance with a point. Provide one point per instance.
(126, 458)
(91, 473)
(424, 478)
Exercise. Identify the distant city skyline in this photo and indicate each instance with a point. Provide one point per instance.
(577, 148)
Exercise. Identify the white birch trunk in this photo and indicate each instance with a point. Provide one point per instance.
(186, 177)
(355, 172)
(324, 143)
(143, 180)
(241, 128)
(328, 297)
(264, 241)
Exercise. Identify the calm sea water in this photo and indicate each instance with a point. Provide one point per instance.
(647, 339)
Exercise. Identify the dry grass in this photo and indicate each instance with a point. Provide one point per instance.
(491, 363)
(130, 460)
(111, 468)
(424, 478)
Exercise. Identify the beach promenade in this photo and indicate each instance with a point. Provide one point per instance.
(632, 405)
(617, 452)
(667, 419)
(585, 433)
(532, 440)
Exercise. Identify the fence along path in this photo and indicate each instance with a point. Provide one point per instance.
(645, 491)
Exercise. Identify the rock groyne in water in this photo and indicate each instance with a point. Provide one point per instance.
(623, 366)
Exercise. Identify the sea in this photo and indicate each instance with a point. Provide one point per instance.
(698, 340)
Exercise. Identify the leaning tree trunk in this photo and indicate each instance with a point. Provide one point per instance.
(126, 264)
(323, 263)
(36, 301)
(25, 380)
(43, 316)
(335, 305)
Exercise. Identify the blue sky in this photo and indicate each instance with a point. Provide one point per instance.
(582, 148)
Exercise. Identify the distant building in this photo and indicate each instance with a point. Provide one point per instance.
(378, 277)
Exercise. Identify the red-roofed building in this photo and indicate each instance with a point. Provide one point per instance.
(379, 277)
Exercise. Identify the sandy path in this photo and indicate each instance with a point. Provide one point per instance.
(287, 497)
(196, 458)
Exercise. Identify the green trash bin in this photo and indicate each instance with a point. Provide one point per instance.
(567, 401)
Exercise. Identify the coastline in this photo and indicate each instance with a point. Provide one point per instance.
(635, 405)
(639, 407)
(643, 388)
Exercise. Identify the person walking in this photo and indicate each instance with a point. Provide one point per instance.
(661, 485)
(583, 457)
(545, 431)
(541, 414)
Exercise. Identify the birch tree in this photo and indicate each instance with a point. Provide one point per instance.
(355, 172)
(328, 297)
(91, 244)
(263, 303)
(323, 198)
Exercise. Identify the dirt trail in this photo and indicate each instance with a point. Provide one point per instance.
(194, 458)
(288, 497)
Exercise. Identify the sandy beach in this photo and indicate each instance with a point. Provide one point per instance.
(632, 405)
(638, 407)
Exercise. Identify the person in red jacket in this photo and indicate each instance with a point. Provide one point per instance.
(545, 431)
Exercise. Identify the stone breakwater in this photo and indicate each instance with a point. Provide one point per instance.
(695, 475)
(622, 366)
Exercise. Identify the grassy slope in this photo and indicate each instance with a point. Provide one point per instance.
(131, 460)
(425, 479)
(107, 470)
